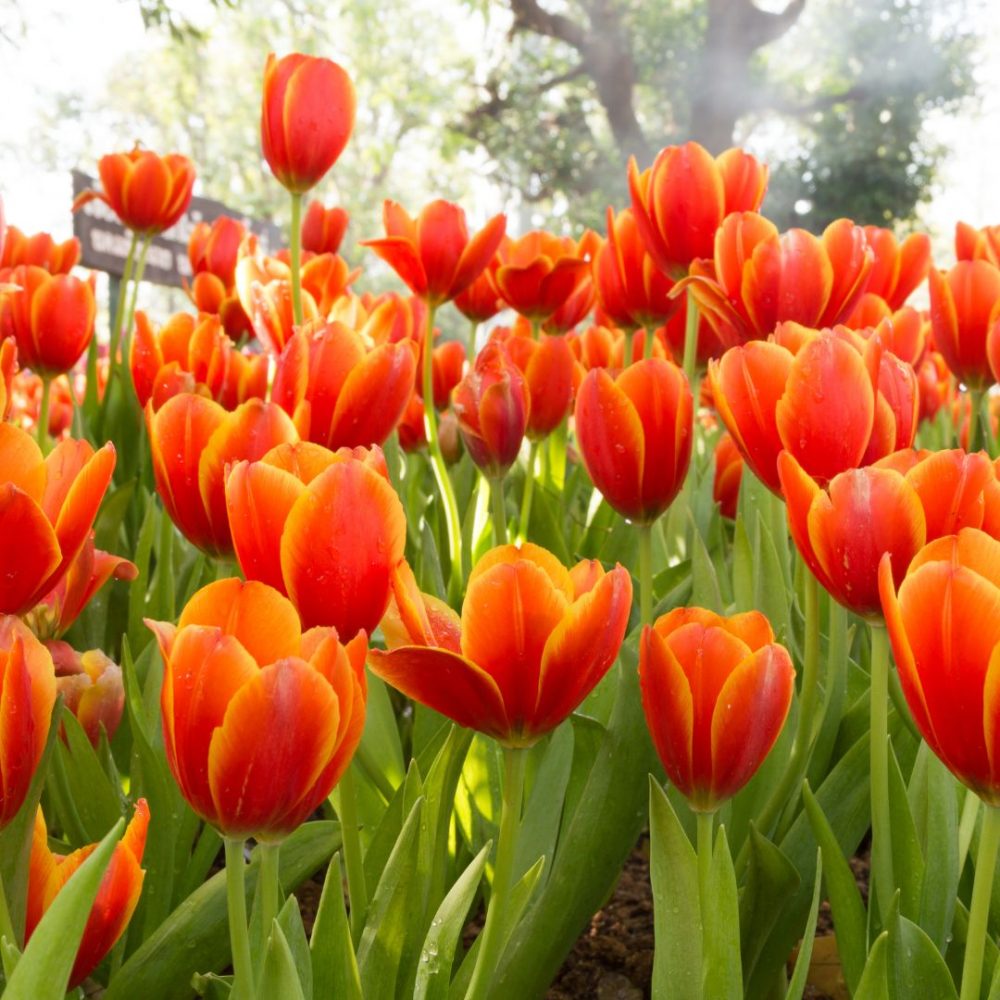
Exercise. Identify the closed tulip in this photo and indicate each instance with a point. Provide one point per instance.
(635, 434)
(47, 508)
(148, 193)
(715, 692)
(326, 528)
(681, 200)
(40, 250)
(323, 228)
(50, 316)
(533, 641)
(28, 693)
(341, 394)
(899, 268)
(91, 687)
(977, 244)
(306, 118)
(213, 247)
(285, 714)
(965, 306)
(193, 440)
(117, 895)
(434, 253)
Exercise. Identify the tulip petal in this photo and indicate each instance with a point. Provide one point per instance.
(29, 551)
(477, 254)
(401, 255)
(21, 461)
(373, 397)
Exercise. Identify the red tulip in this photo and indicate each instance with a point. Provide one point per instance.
(977, 244)
(260, 720)
(117, 895)
(8, 366)
(635, 434)
(715, 692)
(604, 347)
(340, 393)
(264, 288)
(323, 228)
(90, 685)
(306, 118)
(28, 693)
(682, 199)
(193, 440)
(533, 641)
(148, 193)
(51, 317)
(325, 528)
(434, 253)
(214, 248)
(481, 301)
(899, 268)
(728, 474)
(39, 250)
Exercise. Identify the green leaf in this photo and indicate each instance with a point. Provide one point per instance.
(673, 871)
(770, 591)
(874, 983)
(195, 936)
(334, 966)
(723, 976)
(797, 983)
(279, 978)
(380, 748)
(907, 859)
(770, 876)
(845, 898)
(438, 953)
(290, 922)
(44, 969)
(381, 951)
(916, 968)
(705, 581)
(743, 568)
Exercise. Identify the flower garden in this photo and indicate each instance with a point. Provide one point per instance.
(696, 533)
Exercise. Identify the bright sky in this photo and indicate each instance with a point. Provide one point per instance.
(72, 44)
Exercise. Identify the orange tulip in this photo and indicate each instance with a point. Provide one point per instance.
(8, 366)
(602, 346)
(117, 895)
(148, 193)
(540, 272)
(758, 278)
(323, 527)
(533, 641)
(340, 393)
(434, 253)
(39, 250)
(323, 228)
(549, 371)
(944, 626)
(28, 693)
(715, 692)
(189, 355)
(260, 720)
(728, 474)
(91, 687)
(899, 268)
(492, 404)
(213, 248)
(47, 508)
(631, 289)
(306, 118)
(481, 301)
(682, 199)
(580, 302)
(51, 317)
(635, 434)
(965, 306)
(843, 531)
(977, 244)
(193, 440)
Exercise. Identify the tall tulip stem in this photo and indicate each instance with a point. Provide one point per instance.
(977, 430)
(269, 886)
(116, 323)
(967, 826)
(499, 511)
(881, 816)
(43, 414)
(6, 925)
(445, 488)
(491, 946)
(979, 912)
(529, 490)
(705, 823)
(295, 252)
(646, 573)
(627, 348)
(357, 888)
(140, 269)
(243, 986)
(691, 344)
(471, 349)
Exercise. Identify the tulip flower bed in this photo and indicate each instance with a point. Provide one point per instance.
(704, 544)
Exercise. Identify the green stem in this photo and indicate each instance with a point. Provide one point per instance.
(140, 269)
(648, 335)
(499, 511)
(529, 490)
(243, 986)
(43, 414)
(967, 826)
(357, 889)
(471, 349)
(269, 885)
(445, 488)
(116, 323)
(976, 435)
(295, 250)
(6, 925)
(627, 348)
(536, 329)
(885, 882)
(515, 759)
(979, 912)
(691, 343)
(646, 573)
(705, 821)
